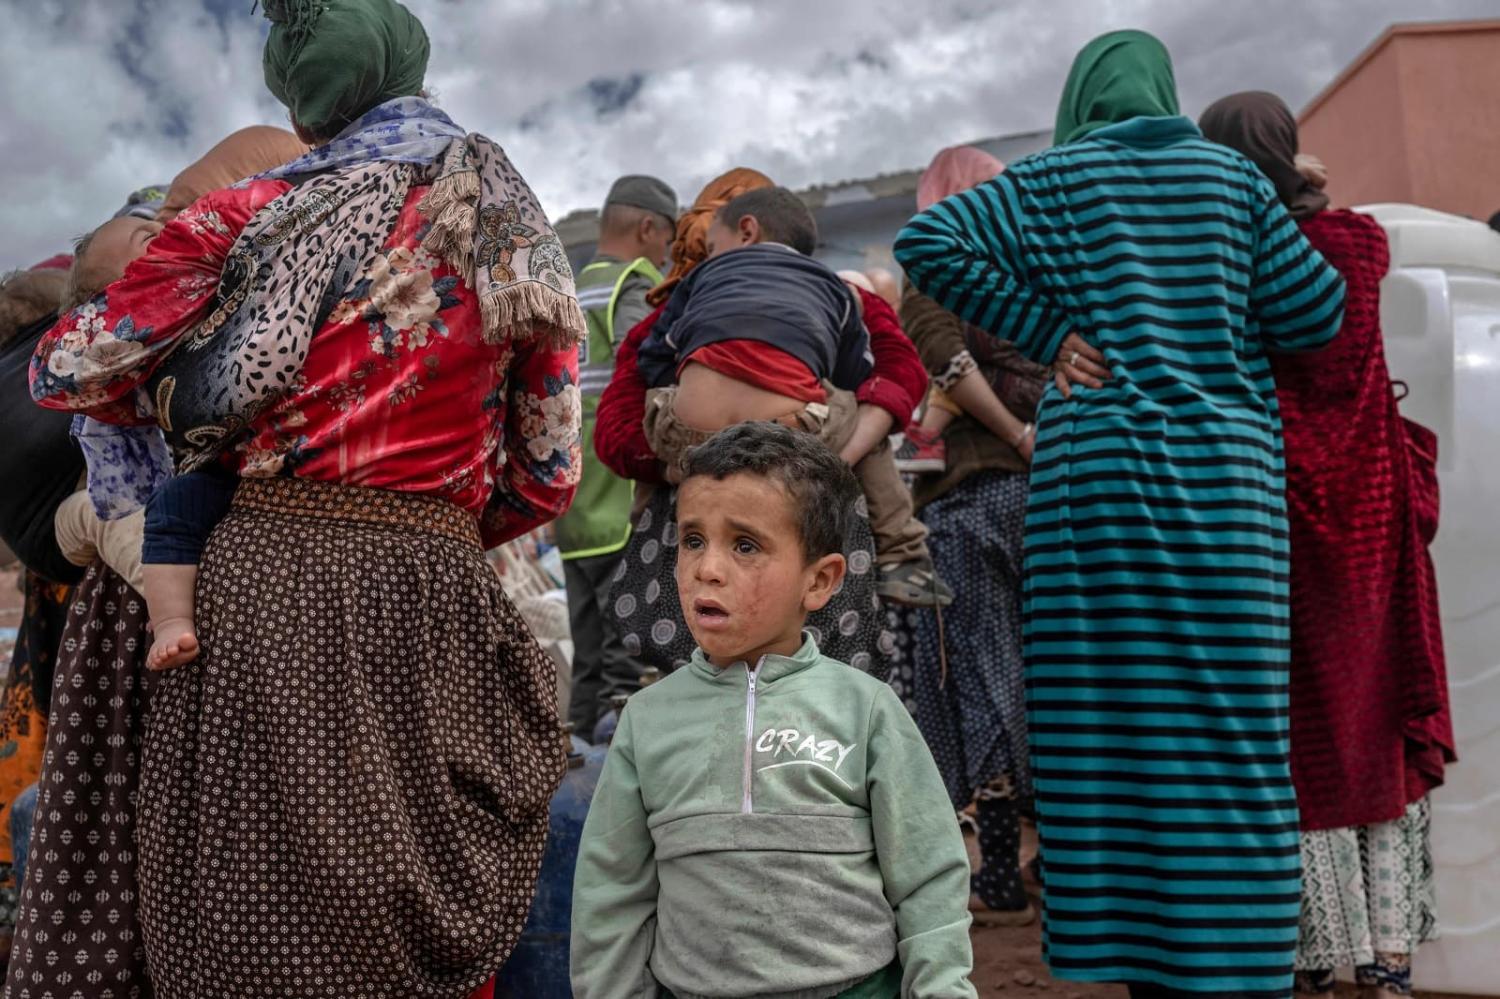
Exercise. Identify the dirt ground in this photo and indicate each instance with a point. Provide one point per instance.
(1008, 959)
(1008, 962)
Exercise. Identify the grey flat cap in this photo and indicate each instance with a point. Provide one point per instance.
(640, 191)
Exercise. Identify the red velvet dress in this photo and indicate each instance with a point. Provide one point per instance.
(1369, 701)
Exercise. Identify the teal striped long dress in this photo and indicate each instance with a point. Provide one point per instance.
(1156, 634)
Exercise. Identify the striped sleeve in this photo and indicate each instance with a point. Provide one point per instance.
(965, 253)
(1296, 295)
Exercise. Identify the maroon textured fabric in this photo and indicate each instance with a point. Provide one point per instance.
(1369, 699)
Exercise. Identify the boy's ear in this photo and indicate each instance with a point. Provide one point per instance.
(824, 577)
(749, 229)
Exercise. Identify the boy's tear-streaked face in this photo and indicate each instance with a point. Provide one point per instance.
(742, 576)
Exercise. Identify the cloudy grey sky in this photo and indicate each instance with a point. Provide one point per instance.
(103, 96)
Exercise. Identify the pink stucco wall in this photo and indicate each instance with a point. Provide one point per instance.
(1418, 120)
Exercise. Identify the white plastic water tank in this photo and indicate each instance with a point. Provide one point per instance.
(1440, 312)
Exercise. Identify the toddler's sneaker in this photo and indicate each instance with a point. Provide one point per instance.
(921, 451)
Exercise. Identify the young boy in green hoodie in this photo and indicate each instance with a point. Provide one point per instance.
(769, 822)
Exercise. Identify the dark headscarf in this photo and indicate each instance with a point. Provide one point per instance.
(1118, 76)
(330, 61)
(1260, 126)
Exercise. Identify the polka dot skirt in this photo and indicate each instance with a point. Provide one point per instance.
(347, 794)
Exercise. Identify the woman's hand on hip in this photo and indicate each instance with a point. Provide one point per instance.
(1027, 444)
(1079, 362)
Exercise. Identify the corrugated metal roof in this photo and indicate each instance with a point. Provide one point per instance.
(582, 227)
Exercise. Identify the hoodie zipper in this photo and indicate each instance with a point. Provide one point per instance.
(746, 805)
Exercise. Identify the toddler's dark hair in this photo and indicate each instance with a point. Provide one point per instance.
(783, 217)
(822, 488)
(80, 287)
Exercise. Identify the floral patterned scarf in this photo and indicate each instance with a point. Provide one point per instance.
(286, 269)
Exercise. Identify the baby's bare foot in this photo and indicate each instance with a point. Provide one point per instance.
(175, 643)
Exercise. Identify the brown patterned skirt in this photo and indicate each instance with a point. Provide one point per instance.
(77, 933)
(346, 795)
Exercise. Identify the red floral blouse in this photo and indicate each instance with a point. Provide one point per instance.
(399, 390)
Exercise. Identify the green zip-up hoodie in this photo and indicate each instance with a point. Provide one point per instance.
(776, 832)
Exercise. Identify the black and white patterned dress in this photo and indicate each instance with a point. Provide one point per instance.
(78, 936)
(973, 715)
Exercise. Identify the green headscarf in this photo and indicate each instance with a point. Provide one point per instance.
(1117, 76)
(330, 61)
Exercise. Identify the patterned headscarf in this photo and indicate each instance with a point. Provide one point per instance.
(690, 248)
(330, 61)
(1261, 127)
(952, 171)
(1118, 76)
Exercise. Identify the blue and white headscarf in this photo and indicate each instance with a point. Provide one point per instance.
(402, 130)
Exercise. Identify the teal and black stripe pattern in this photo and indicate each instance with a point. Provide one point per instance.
(1156, 620)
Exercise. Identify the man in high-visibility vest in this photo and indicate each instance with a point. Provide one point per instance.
(636, 228)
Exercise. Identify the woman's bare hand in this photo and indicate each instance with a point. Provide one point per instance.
(1079, 362)
(1312, 170)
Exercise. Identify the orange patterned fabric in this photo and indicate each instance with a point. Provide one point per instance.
(23, 722)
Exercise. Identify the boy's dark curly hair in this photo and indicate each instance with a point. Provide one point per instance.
(783, 217)
(822, 488)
